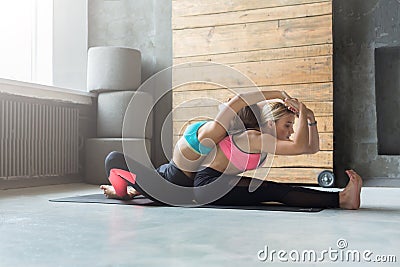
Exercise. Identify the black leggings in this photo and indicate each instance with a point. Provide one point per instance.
(169, 171)
(239, 195)
(266, 192)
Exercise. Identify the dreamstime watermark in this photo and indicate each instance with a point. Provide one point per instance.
(340, 253)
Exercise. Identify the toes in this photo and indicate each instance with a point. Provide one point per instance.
(352, 175)
(356, 176)
(104, 187)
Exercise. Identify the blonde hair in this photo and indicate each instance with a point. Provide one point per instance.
(274, 111)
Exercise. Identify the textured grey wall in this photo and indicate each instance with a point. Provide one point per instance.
(360, 26)
(144, 25)
(387, 87)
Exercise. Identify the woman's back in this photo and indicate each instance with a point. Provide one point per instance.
(237, 153)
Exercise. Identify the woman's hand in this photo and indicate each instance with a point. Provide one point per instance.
(293, 105)
(296, 107)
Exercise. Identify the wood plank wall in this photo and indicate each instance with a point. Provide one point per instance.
(280, 45)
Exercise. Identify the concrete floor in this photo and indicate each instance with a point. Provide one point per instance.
(36, 232)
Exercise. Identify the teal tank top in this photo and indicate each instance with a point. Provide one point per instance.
(191, 138)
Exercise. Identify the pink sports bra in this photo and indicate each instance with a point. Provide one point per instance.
(242, 160)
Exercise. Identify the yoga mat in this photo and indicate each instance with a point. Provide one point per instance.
(142, 201)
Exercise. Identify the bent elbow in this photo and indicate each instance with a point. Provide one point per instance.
(307, 149)
(313, 150)
(300, 149)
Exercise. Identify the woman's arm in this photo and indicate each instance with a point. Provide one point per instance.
(216, 130)
(313, 145)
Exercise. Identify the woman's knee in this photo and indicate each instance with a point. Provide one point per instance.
(114, 160)
(114, 156)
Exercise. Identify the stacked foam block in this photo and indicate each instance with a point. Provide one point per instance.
(124, 118)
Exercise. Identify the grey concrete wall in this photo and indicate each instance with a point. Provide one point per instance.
(143, 25)
(387, 87)
(360, 26)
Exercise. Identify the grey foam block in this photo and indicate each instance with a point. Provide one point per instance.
(113, 68)
(112, 107)
(98, 148)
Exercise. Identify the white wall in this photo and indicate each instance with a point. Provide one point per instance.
(70, 44)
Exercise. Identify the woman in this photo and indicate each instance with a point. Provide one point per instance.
(197, 142)
(305, 141)
(244, 150)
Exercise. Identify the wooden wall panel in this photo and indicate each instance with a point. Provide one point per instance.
(238, 37)
(277, 72)
(305, 92)
(262, 54)
(287, 175)
(186, 8)
(322, 159)
(252, 16)
(280, 45)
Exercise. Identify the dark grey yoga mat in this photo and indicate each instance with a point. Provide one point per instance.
(142, 201)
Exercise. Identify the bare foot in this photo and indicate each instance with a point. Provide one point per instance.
(358, 177)
(109, 191)
(349, 198)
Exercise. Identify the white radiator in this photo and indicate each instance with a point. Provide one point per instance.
(37, 139)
